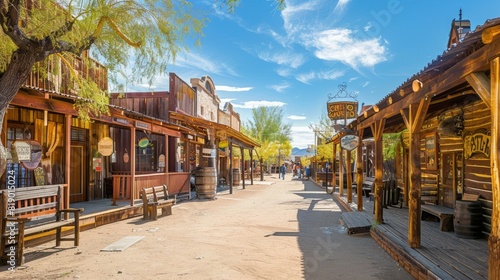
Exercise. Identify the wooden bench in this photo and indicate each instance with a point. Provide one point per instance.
(155, 198)
(444, 214)
(31, 210)
(368, 186)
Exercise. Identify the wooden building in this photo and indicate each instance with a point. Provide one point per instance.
(448, 116)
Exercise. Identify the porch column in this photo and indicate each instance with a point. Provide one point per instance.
(132, 165)
(251, 166)
(414, 117)
(242, 151)
(341, 172)
(349, 176)
(231, 167)
(67, 166)
(359, 170)
(494, 239)
(334, 163)
(377, 128)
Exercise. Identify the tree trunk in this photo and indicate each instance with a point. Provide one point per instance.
(11, 80)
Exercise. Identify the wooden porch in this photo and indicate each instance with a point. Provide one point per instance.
(442, 255)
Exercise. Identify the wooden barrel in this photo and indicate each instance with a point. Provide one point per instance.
(205, 182)
(236, 176)
(468, 219)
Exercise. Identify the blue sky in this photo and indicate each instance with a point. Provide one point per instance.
(297, 57)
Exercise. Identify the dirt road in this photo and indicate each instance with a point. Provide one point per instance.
(286, 229)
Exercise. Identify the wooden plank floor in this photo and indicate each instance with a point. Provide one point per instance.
(442, 253)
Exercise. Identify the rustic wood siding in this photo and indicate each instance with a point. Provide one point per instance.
(478, 166)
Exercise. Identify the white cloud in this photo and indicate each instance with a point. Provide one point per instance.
(324, 75)
(290, 59)
(305, 78)
(280, 88)
(340, 45)
(196, 61)
(366, 84)
(256, 104)
(295, 117)
(302, 136)
(232, 89)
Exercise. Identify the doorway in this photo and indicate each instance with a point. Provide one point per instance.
(78, 166)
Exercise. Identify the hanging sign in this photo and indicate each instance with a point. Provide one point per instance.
(105, 146)
(349, 142)
(143, 142)
(210, 153)
(342, 110)
(21, 151)
(477, 142)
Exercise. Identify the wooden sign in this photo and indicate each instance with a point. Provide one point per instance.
(349, 142)
(477, 142)
(105, 146)
(342, 110)
(430, 151)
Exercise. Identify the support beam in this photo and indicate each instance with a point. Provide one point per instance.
(377, 130)
(481, 84)
(494, 239)
(414, 117)
(359, 170)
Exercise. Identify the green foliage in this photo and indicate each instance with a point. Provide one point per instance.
(268, 129)
(390, 141)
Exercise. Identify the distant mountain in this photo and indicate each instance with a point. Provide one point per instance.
(301, 152)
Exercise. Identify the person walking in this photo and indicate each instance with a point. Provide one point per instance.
(283, 171)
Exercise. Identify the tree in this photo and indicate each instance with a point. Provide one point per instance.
(268, 129)
(34, 31)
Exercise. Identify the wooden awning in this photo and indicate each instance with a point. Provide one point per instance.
(201, 125)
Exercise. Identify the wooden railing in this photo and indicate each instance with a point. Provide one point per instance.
(46, 80)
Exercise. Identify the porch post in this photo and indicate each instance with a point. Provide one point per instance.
(377, 128)
(334, 174)
(349, 176)
(67, 166)
(132, 166)
(242, 151)
(494, 239)
(341, 172)
(230, 167)
(414, 117)
(251, 166)
(359, 170)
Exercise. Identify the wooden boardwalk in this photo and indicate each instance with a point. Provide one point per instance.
(442, 254)
(355, 222)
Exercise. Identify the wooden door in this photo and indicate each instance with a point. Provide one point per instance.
(78, 178)
(451, 178)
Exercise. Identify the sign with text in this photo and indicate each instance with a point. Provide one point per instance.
(342, 110)
(477, 142)
(349, 142)
(105, 146)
